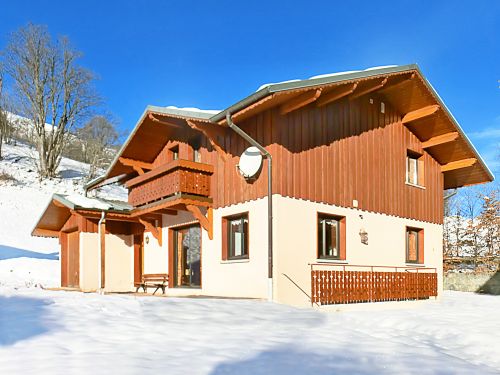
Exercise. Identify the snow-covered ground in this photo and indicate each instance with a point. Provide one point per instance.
(56, 332)
(47, 332)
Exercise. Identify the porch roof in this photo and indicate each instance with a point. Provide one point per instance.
(61, 206)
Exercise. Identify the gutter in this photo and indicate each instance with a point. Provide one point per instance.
(268, 156)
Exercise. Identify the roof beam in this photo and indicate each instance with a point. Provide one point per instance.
(420, 113)
(138, 165)
(163, 122)
(207, 222)
(440, 139)
(300, 101)
(336, 94)
(108, 181)
(167, 212)
(154, 229)
(213, 133)
(368, 89)
(398, 84)
(464, 163)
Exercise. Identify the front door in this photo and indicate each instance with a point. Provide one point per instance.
(187, 257)
(73, 260)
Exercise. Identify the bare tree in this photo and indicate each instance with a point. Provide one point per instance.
(98, 143)
(54, 92)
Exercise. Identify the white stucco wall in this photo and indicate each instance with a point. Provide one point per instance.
(296, 244)
(119, 262)
(243, 278)
(89, 253)
(155, 257)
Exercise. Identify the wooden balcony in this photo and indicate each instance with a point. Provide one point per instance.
(174, 178)
(371, 284)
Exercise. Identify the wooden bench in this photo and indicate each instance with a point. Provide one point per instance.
(153, 280)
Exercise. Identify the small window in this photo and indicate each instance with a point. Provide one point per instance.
(174, 152)
(235, 231)
(414, 245)
(331, 237)
(196, 155)
(414, 169)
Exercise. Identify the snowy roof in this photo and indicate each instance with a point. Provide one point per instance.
(75, 201)
(60, 206)
(190, 112)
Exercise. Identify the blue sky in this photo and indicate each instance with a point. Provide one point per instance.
(209, 54)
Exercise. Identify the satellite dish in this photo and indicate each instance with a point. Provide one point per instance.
(250, 162)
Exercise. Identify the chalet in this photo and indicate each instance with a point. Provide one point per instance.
(321, 191)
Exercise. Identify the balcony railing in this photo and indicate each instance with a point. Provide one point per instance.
(177, 177)
(370, 283)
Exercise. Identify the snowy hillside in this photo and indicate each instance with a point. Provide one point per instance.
(27, 260)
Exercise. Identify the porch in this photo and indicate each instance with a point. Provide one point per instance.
(346, 284)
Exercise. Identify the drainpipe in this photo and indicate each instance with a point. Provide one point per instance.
(99, 258)
(453, 193)
(269, 158)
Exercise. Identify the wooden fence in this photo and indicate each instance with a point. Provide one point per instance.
(330, 287)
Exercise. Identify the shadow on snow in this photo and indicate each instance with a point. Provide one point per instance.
(21, 318)
(8, 252)
(286, 360)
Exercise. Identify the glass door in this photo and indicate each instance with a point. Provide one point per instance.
(187, 257)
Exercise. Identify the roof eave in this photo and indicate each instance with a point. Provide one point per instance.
(278, 87)
(458, 127)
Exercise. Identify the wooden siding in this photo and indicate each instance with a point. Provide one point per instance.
(63, 240)
(347, 150)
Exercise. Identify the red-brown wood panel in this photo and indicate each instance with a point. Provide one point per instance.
(343, 151)
(63, 240)
(73, 259)
(334, 154)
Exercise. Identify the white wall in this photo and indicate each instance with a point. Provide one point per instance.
(243, 278)
(155, 257)
(296, 244)
(89, 253)
(119, 263)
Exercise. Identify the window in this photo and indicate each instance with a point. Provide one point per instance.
(235, 237)
(174, 152)
(414, 168)
(331, 237)
(414, 245)
(196, 155)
